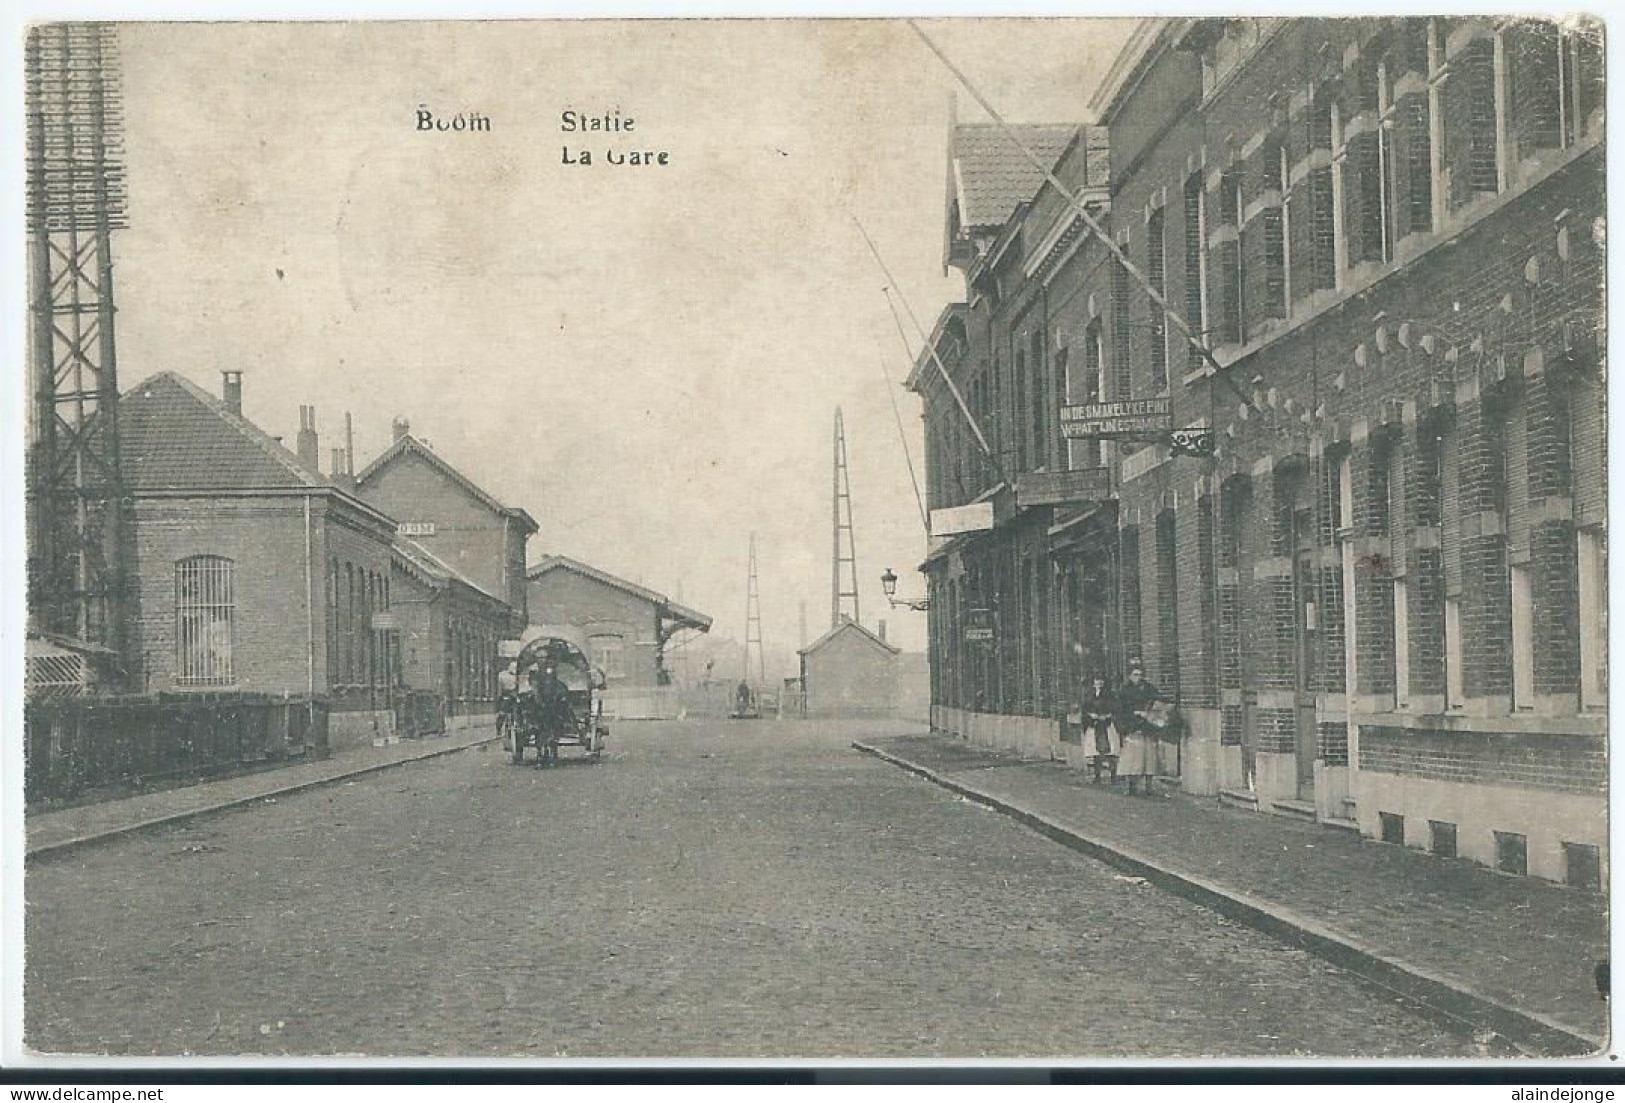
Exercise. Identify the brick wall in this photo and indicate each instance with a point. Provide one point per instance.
(468, 534)
(1570, 764)
(562, 596)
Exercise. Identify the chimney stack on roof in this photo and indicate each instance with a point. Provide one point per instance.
(401, 427)
(305, 444)
(231, 389)
(340, 473)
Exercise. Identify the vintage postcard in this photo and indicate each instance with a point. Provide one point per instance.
(809, 539)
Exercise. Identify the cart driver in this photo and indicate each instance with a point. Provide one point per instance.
(550, 699)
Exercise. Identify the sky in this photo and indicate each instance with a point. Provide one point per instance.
(647, 359)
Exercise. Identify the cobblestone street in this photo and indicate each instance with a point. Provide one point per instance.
(709, 890)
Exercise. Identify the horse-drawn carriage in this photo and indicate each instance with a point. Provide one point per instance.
(550, 695)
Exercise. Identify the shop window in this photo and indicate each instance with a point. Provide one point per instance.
(1036, 391)
(205, 611)
(1156, 247)
(1511, 852)
(1392, 827)
(1442, 839)
(1167, 605)
(1582, 866)
(1020, 408)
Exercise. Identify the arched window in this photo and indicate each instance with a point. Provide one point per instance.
(205, 606)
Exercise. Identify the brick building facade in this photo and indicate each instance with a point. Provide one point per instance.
(850, 671)
(441, 508)
(1381, 602)
(627, 625)
(256, 572)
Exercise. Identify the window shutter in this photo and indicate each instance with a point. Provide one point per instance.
(1535, 90)
(1589, 419)
(1468, 104)
(1320, 250)
(1412, 171)
(1450, 512)
(1227, 290)
(1517, 482)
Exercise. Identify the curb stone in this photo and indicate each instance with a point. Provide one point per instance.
(53, 849)
(1530, 1032)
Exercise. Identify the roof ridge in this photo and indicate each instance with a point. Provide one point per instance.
(244, 427)
(827, 636)
(407, 442)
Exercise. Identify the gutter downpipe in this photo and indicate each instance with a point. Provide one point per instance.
(310, 629)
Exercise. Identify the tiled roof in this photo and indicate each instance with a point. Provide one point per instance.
(410, 444)
(992, 177)
(427, 563)
(673, 610)
(174, 435)
(846, 625)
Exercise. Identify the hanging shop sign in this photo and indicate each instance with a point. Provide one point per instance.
(1060, 488)
(976, 517)
(978, 626)
(1130, 418)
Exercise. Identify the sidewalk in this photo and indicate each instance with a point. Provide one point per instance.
(1511, 954)
(57, 831)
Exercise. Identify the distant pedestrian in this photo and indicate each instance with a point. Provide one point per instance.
(1134, 701)
(1100, 738)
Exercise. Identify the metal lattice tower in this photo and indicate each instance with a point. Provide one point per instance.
(843, 582)
(78, 517)
(753, 624)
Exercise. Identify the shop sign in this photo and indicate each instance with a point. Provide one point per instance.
(975, 517)
(978, 626)
(384, 622)
(415, 528)
(1131, 418)
(1059, 488)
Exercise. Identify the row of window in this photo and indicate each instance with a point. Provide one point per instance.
(470, 660)
(1414, 496)
(1434, 114)
(357, 653)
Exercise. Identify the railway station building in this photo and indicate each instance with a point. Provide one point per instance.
(1366, 553)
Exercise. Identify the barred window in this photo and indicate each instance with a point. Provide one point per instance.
(205, 607)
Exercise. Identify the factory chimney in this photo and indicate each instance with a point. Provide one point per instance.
(305, 444)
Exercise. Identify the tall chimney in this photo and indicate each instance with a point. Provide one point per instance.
(349, 446)
(401, 427)
(231, 389)
(337, 471)
(882, 632)
(305, 444)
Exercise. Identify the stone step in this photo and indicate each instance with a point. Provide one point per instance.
(1239, 798)
(1350, 824)
(1297, 809)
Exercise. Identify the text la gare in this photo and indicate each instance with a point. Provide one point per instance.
(611, 122)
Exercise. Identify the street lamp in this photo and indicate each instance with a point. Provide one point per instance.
(888, 582)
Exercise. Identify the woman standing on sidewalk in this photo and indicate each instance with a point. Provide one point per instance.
(1100, 739)
(1139, 756)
